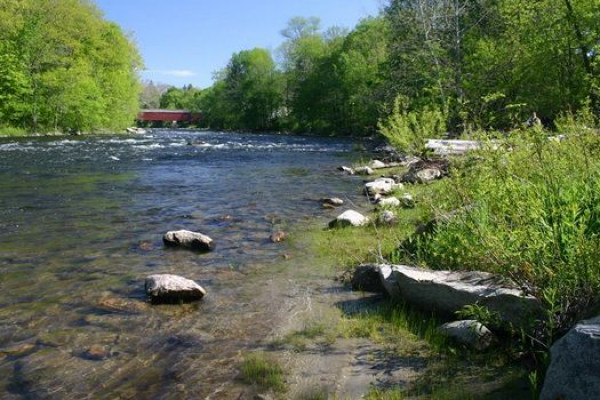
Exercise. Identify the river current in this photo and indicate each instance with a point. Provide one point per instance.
(81, 225)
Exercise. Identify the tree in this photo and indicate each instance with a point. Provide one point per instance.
(252, 87)
(64, 67)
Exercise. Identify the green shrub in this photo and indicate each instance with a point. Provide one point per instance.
(407, 129)
(530, 211)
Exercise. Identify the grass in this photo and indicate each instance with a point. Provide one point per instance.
(449, 371)
(264, 371)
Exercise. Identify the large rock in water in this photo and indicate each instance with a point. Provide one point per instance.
(449, 291)
(166, 288)
(349, 218)
(574, 372)
(188, 239)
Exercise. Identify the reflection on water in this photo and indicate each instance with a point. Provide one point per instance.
(81, 223)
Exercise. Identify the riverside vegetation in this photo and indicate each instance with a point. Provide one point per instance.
(524, 206)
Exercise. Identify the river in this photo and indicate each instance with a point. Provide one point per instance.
(81, 225)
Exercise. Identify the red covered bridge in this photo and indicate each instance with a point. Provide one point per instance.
(169, 116)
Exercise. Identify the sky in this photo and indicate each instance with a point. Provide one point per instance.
(185, 41)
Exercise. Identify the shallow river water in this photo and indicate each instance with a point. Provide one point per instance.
(81, 223)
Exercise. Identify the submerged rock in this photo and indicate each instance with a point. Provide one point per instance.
(188, 239)
(349, 218)
(278, 236)
(450, 291)
(166, 288)
(575, 362)
(469, 332)
(96, 353)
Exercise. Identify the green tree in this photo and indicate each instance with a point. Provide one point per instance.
(252, 87)
(64, 67)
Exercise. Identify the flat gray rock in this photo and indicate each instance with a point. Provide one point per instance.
(449, 291)
(167, 288)
(574, 372)
(189, 240)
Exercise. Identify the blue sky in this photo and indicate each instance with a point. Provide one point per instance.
(186, 41)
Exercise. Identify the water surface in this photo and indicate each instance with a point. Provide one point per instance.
(81, 222)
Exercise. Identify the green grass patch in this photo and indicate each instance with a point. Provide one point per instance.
(264, 371)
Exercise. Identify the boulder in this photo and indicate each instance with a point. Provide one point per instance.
(349, 218)
(332, 201)
(447, 292)
(364, 171)
(575, 362)
(468, 332)
(166, 288)
(381, 186)
(376, 164)
(389, 202)
(387, 218)
(366, 278)
(188, 239)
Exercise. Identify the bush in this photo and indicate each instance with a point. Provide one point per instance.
(530, 211)
(407, 130)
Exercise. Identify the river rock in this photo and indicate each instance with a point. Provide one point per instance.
(389, 202)
(278, 236)
(349, 218)
(381, 186)
(468, 332)
(188, 239)
(449, 291)
(366, 278)
(407, 200)
(96, 353)
(423, 176)
(364, 171)
(575, 362)
(376, 164)
(347, 170)
(332, 201)
(387, 218)
(166, 288)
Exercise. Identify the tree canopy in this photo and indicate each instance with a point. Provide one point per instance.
(486, 64)
(63, 67)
